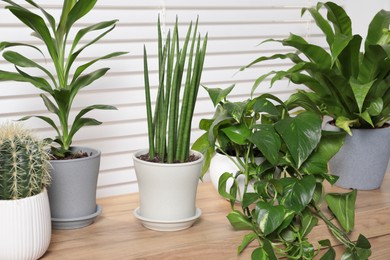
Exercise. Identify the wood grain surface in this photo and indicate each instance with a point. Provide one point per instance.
(117, 234)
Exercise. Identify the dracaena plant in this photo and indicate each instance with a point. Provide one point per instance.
(63, 81)
(288, 197)
(170, 128)
(347, 84)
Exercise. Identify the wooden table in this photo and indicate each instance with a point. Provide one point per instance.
(117, 234)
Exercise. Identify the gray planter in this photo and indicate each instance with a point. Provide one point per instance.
(72, 193)
(362, 161)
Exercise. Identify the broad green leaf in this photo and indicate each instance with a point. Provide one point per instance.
(349, 58)
(86, 80)
(239, 221)
(380, 22)
(308, 222)
(367, 117)
(301, 135)
(261, 104)
(372, 64)
(259, 254)
(222, 185)
(217, 94)
(238, 133)
(363, 247)
(248, 238)
(341, 41)
(267, 141)
(341, 21)
(322, 23)
(375, 107)
(330, 144)
(236, 110)
(297, 194)
(201, 144)
(249, 198)
(331, 253)
(360, 91)
(48, 16)
(269, 217)
(345, 123)
(342, 206)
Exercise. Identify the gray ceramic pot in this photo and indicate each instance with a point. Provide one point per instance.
(362, 161)
(72, 193)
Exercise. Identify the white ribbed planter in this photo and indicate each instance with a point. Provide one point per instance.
(167, 193)
(25, 227)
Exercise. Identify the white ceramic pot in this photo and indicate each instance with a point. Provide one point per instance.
(220, 164)
(167, 192)
(25, 227)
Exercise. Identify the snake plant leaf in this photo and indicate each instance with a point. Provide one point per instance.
(80, 8)
(269, 217)
(342, 206)
(217, 94)
(297, 194)
(341, 22)
(301, 135)
(238, 133)
(239, 221)
(268, 142)
(248, 238)
(375, 30)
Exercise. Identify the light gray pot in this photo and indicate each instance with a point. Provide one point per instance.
(362, 161)
(72, 193)
(167, 193)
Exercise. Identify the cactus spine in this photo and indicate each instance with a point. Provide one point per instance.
(24, 165)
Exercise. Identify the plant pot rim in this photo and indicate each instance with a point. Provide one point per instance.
(173, 165)
(24, 199)
(94, 155)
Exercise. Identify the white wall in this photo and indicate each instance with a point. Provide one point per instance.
(235, 28)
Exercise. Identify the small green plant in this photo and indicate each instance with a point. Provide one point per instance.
(287, 194)
(60, 86)
(351, 86)
(24, 165)
(169, 131)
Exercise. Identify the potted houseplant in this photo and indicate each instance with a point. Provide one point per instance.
(168, 172)
(75, 169)
(24, 205)
(224, 143)
(347, 84)
(284, 207)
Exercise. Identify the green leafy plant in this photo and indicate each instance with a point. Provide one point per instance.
(60, 87)
(168, 130)
(288, 194)
(24, 163)
(351, 86)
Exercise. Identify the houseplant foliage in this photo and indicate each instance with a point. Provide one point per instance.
(170, 127)
(289, 195)
(60, 87)
(347, 84)
(24, 205)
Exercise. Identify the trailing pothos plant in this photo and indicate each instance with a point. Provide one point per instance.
(347, 84)
(289, 195)
(170, 128)
(62, 83)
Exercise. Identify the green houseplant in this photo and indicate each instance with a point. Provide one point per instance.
(24, 203)
(288, 191)
(60, 88)
(168, 172)
(347, 84)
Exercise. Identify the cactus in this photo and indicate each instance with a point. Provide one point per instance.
(24, 165)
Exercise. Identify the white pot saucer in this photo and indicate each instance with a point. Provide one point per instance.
(167, 225)
(74, 223)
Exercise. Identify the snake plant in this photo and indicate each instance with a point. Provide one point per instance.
(63, 81)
